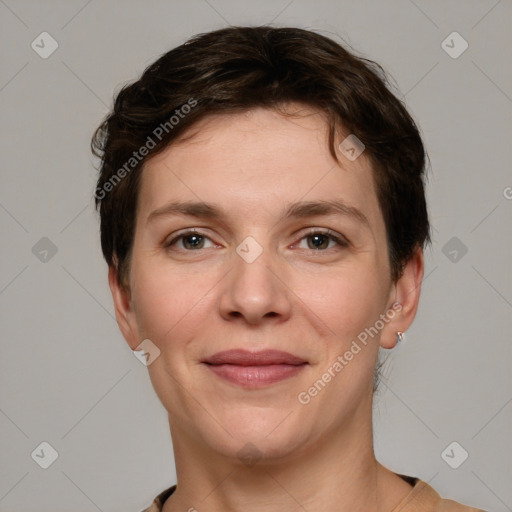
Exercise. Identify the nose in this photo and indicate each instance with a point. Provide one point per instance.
(255, 291)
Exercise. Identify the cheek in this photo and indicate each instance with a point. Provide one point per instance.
(172, 307)
(344, 302)
(168, 301)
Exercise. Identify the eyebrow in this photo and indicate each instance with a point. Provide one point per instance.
(202, 210)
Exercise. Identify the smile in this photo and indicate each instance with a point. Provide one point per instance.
(254, 369)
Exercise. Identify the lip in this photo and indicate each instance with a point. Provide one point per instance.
(254, 369)
(242, 357)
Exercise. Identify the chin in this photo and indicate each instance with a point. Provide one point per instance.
(258, 435)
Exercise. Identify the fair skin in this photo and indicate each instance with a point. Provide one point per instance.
(305, 294)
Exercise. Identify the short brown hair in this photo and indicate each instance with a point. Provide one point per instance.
(238, 68)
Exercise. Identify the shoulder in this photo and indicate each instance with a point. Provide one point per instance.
(158, 502)
(423, 498)
(453, 506)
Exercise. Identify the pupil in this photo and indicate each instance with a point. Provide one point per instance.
(193, 240)
(318, 238)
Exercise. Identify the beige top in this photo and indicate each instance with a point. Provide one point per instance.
(422, 498)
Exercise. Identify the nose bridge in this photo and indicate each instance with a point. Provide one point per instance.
(253, 290)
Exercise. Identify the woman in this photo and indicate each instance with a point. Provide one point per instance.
(263, 217)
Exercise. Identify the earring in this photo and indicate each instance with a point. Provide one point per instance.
(399, 336)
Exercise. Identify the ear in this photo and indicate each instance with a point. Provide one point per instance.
(125, 314)
(403, 300)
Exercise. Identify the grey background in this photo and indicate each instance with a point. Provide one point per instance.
(67, 375)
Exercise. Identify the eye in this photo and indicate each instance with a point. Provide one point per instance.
(320, 240)
(189, 241)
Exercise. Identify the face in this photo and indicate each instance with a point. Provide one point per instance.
(251, 237)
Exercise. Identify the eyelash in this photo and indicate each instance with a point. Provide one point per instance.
(340, 240)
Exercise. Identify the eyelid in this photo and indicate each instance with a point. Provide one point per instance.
(182, 234)
(340, 239)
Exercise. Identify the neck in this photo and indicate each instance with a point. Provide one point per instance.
(338, 472)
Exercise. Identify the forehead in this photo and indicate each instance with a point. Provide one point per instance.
(257, 160)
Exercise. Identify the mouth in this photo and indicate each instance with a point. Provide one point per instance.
(254, 369)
